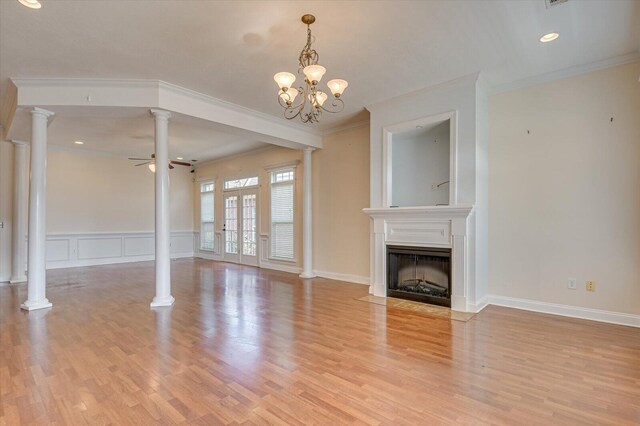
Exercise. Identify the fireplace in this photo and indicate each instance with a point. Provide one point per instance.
(419, 274)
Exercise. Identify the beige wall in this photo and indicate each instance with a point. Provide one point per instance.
(341, 191)
(253, 163)
(564, 191)
(87, 192)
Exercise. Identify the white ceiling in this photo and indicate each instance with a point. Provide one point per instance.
(231, 49)
(129, 132)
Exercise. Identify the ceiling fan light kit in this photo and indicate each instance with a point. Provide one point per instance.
(151, 162)
(313, 101)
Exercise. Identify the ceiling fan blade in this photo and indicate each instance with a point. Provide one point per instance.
(171, 167)
(180, 163)
(139, 159)
(142, 164)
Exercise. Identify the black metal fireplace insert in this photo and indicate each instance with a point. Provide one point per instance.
(419, 274)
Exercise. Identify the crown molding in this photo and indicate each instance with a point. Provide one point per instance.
(232, 156)
(345, 127)
(461, 81)
(566, 73)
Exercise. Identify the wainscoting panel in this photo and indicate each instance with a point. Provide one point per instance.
(58, 250)
(139, 246)
(99, 248)
(71, 250)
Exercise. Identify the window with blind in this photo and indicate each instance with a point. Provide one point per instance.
(282, 206)
(207, 233)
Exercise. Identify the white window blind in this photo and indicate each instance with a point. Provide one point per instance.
(207, 233)
(282, 206)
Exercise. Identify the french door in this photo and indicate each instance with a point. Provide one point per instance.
(241, 226)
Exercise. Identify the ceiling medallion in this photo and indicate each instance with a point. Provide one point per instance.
(312, 101)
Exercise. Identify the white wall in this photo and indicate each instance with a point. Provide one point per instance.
(564, 191)
(419, 162)
(467, 97)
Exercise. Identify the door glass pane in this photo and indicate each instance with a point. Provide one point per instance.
(249, 224)
(231, 224)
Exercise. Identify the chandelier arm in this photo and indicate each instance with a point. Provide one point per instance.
(337, 104)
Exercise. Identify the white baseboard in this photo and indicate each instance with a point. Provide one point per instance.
(479, 305)
(356, 279)
(566, 310)
(209, 255)
(281, 267)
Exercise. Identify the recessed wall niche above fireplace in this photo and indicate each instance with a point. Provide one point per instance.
(420, 274)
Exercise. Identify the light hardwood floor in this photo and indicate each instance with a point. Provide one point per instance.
(249, 346)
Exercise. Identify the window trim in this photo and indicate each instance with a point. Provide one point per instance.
(280, 168)
(229, 179)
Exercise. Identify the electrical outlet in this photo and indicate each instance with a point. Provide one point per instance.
(571, 284)
(591, 286)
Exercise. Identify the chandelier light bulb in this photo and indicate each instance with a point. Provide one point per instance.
(337, 86)
(314, 72)
(289, 95)
(284, 79)
(321, 97)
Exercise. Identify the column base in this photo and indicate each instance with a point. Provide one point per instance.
(167, 301)
(16, 280)
(307, 275)
(32, 306)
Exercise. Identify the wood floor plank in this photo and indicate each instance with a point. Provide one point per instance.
(245, 346)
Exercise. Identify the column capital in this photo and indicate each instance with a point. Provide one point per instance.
(160, 114)
(18, 143)
(36, 111)
(309, 149)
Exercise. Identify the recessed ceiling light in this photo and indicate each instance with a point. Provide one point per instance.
(549, 37)
(32, 4)
(180, 158)
(79, 143)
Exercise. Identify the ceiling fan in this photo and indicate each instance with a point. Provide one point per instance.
(152, 163)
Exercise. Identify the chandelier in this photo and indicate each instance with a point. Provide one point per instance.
(312, 102)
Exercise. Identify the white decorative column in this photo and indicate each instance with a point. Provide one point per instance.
(19, 229)
(307, 222)
(163, 258)
(36, 272)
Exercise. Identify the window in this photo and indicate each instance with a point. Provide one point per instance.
(207, 233)
(282, 190)
(241, 183)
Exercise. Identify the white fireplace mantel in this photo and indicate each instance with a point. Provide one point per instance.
(429, 226)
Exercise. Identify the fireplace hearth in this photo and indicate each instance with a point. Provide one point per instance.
(419, 274)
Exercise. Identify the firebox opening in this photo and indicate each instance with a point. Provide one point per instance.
(419, 274)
